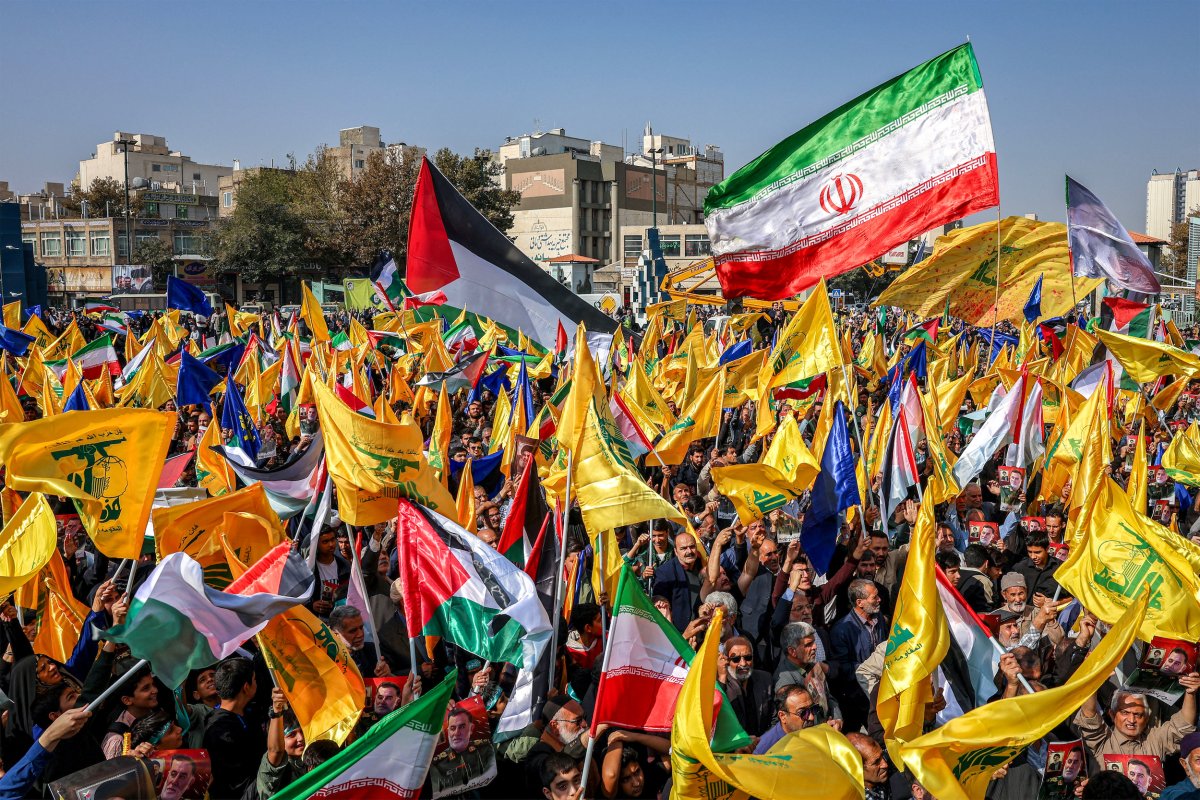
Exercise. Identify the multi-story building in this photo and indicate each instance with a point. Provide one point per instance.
(681, 246)
(152, 165)
(1170, 198)
(578, 194)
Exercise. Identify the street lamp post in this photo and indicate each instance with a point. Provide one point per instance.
(128, 238)
(655, 152)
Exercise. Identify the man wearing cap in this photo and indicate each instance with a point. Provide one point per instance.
(1131, 732)
(1188, 789)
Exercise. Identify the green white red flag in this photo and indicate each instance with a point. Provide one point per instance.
(908, 155)
(389, 762)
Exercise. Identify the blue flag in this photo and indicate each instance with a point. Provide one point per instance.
(526, 391)
(227, 356)
(895, 385)
(1033, 306)
(485, 472)
(495, 383)
(77, 401)
(185, 297)
(195, 381)
(35, 311)
(736, 351)
(835, 490)
(15, 342)
(236, 417)
(916, 361)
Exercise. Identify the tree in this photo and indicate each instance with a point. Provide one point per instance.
(1174, 257)
(105, 197)
(476, 177)
(316, 200)
(376, 205)
(158, 254)
(266, 237)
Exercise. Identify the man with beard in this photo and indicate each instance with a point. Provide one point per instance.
(795, 710)
(852, 639)
(1131, 732)
(1189, 788)
(566, 733)
(748, 689)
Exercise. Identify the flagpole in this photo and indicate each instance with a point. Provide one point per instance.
(92, 706)
(369, 620)
(996, 301)
(412, 659)
(1020, 676)
(587, 758)
(558, 573)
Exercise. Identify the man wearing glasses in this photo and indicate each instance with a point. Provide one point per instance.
(749, 690)
(796, 710)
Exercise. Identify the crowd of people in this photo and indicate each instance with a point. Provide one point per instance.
(799, 647)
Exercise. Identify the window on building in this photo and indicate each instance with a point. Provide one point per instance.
(595, 191)
(196, 176)
(227, 199)
(186, 244)
(101, 242)
(156, 167)
(670, 245)
(31, 240)
(695, 245)
(139, 238)
(150, 210)
(633, 246)
(52, 244)
(359, 163)
(181, 211)
(76, 243)
(122, 246)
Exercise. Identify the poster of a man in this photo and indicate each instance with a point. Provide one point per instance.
(466, 758)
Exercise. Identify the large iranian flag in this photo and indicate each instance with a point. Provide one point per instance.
(92, 359)
(908, 155)
(471, 595)
(645, 664)
(389, 762)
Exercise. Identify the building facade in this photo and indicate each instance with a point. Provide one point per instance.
(1170, 198)
(682, 246)
(152, 165)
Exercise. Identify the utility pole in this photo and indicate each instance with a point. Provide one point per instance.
(125, 143)
(654, 153)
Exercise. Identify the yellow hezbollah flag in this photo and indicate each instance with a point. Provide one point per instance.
(11, 409)
(1119, 555)
(313, 315)
(464, 503)
(791, 457)
(1138, 488)
(26, 543)
(1145, 360)
(107, 461)
(213, 473)
(60, 615)
(741, 379)
(313, 669)
(832, 767)
(374, 464)
(196, 528)
(439, 440)
(648, 407)
(1182, 459)
(917, 643)
(960, 275)
(956, 761)
(755, 489)
(700, 420)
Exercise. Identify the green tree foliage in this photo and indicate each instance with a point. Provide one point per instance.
(267, 236)
(477, 177)
(376, 205)
(104, 197)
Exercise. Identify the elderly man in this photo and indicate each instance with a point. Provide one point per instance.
(800, 666)
(1131, 732)
(795, 710)
(749, 690)
(1189, 788)
(347, 623)
(852, 640)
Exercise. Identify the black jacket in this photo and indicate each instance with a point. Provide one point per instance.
(753, 704)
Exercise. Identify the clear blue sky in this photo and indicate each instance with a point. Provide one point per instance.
(1103, 91)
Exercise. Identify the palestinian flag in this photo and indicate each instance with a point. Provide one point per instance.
(927, 331)
(638, 442)
(526, 516)
(452, 247)
(1129, 317)
(289, 380)
(356, 404)
(92, 359)
(471, 595)
(971, 662)
(899, 467)
(465, 374)
(387, 280)
(906, 156)
(389, 762)
(461, 337)
(178, 623)
(290, 487)
(644, 671)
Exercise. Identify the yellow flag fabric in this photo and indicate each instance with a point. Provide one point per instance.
(213, 473)
(464, 503)
(961, 272)
(196, 529)
(26, 543)
(741, 379)
(790, 456)
(755, 489)
(249, 537)
(313, 315)
(1167, 396)
(648, 407)
(1144, 360)
(374, 464)
(1138, 488)
(108, 461)
(699, 420)
(832, 768)
(1182, 459)
(605, 480)
(37, 329)
(956, 761)
(11, 409)
(60, 615)
(917, 642)
(1118, 556)
(439, 440)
